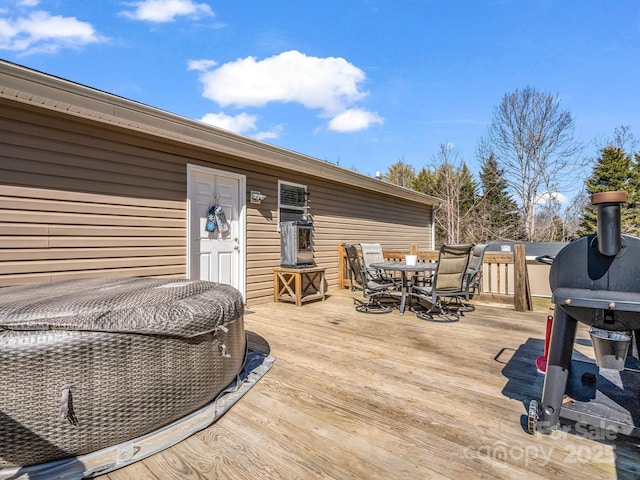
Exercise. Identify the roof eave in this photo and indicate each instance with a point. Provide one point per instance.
(29, 86)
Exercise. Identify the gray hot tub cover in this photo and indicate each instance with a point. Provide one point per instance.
(182, 308)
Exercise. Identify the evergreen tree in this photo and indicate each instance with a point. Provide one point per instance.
(426, 181)
(469, 190)
(633, 203)
(401, 173)
(469, 205)
(614, 170)
(498, 211)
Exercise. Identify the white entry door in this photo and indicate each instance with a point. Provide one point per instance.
(216, 256)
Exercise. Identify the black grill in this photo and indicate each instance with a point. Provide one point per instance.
(594, 280)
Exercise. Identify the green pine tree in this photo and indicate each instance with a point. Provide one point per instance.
(401, 173)
(469, 205)
(498, 211)
(614, 170)
(631, 219)
(469, 192)
(426, 181)
(429, 181)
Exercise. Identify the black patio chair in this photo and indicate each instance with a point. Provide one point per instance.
(374, 289)
(473, 277)
(447, 284)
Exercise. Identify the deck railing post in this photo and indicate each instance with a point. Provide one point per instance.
(522, 293)
(341, 265)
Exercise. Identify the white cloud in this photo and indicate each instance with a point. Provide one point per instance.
(239, 123)
(28, 3)
(353, 120)
(544, 198)
(201, 65)
(42, 32)
(330, 84)
(162, 11)
(273, 133)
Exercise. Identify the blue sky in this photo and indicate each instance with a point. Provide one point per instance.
(361, 83)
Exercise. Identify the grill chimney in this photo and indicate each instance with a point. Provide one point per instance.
(609, 229)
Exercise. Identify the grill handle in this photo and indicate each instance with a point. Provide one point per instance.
(546, 259)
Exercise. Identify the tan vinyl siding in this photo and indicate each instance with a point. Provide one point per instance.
(44, 239)
(81, 198)
(74, 203)
(340, 214)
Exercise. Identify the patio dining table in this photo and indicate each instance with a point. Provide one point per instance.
(404, 270)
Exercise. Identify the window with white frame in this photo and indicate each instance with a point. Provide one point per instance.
(292, 200)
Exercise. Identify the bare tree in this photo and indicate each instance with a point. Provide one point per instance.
(623, 138)
(573, 215)
(533, 141)
(449, 178)
(550, 227)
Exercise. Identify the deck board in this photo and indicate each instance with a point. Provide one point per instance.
(352, 395)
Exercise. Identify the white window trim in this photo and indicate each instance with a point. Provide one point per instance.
(292, 184)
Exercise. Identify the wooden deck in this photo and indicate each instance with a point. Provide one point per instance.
(362, 396)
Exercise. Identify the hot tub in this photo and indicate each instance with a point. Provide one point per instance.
(88, 364)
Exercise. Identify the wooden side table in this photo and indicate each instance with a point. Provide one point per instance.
(298, 285)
